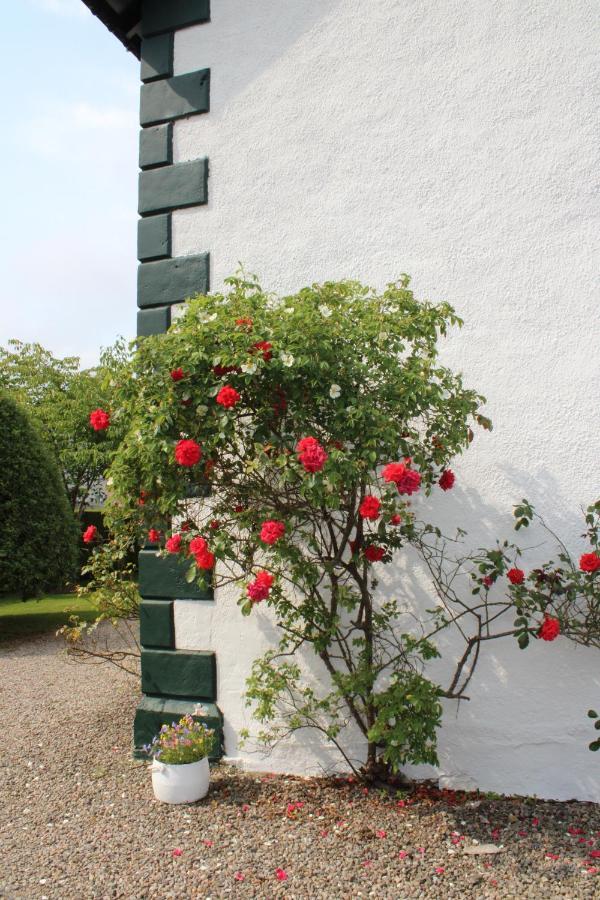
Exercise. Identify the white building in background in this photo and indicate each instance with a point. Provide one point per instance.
(457, 142)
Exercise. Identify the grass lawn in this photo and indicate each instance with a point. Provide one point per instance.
(39, 615)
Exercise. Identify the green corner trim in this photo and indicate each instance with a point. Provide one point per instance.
(179, 673)
(154, 712)
(153, 321)
(173, 187)
(175, 98)
(156, 146)
(165, 15)
(172, 280)
(154, 237)
(163, 577)
(156, 57)
(156, 624)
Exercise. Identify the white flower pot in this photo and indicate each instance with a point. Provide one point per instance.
(180, 783)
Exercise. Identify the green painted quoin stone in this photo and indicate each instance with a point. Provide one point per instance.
(169, 281)
(175, 98)
(156, 624)
(164, 578)
(179, 673)
(167, 15)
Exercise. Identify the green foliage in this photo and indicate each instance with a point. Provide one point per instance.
(59, 396)
(39, 535)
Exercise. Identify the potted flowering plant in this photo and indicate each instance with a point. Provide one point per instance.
(180, 771)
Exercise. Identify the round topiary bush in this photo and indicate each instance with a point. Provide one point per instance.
(38, 534)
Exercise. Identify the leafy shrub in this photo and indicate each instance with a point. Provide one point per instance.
(38, 533)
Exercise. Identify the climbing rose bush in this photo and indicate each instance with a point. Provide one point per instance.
(318, 423)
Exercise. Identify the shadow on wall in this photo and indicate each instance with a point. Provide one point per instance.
(527, 708)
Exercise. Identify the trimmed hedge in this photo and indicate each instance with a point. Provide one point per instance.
(38, 532)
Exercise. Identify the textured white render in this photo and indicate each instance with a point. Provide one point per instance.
(458, 142)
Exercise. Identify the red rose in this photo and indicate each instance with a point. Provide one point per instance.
(186, 526)
(353, 545)
(214, 524)
(143, 497)
(265, 347)
(589, 562)
(99, 420)
(219, 371)
(188, 453)
(488, 581)
(90, 534)
(177, 374)
(516, 576)
(228, 397)
(374, 553)
(173, 544)
(396, 519)
(244, 322)
(153, 536)
(198, 545)
(369, 508)
(280, 402)
(311, 454)
(205, 559)
(406, 480)
(447, 479)
(259, 589)
(271, 531)
(240, 508)
(550, 629)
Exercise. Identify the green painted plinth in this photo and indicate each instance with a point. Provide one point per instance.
(163, 578)
(154, 712)
(179, 673)
(156, 624)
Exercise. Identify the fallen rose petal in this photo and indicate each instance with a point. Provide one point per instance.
(281, 874)
(239, 876)
(403, 854)
(595, 854)
(367, 863)
(208, 843)
(324, 833)
(381, 833)
(552, 855)
(177, 852)
(440, 870)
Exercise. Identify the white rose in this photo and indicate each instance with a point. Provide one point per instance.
(287, 359)
(335, 391)
(325, 311)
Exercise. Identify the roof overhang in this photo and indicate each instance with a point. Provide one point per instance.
(122, 17)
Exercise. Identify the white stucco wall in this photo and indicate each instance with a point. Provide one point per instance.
(456, 141)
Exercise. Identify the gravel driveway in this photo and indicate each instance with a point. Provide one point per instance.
(78, 819)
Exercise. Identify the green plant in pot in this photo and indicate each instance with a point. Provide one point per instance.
(180, 770)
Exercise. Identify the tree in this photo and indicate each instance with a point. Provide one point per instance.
(319, 421)
(59, 396)
(39, 535)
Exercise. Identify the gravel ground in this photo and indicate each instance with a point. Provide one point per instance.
(78, 818)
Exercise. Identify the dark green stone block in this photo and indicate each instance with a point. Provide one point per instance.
(172, 280)
(156, 146)
(174, 98)
(154, 712)
(164, 578)
(157, 57)
(156, 624)
(154, 237)
(165, 15)
(179, 673)
(153, 321)
(173, 187)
